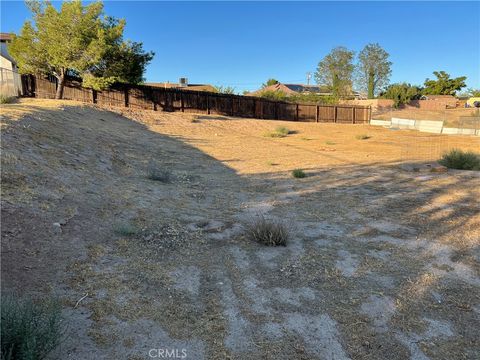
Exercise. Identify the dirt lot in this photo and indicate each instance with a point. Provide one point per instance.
(382, 262)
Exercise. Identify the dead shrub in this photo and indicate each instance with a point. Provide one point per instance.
(267, 232)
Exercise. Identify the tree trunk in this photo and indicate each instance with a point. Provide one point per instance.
(371, 85)
(61, 85)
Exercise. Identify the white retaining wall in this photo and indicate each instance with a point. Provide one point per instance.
(430, 126)
(380, 122)
(403, 123)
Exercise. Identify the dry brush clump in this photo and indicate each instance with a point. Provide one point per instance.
(267, 232)
(363, 137)
(30, 329)
(155, 173)
(298, 173)
(461, 160)
(126, 229)
(280, 132)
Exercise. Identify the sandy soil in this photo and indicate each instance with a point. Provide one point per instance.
(382, 261)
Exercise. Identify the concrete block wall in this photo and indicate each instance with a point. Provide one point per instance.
(429, 126)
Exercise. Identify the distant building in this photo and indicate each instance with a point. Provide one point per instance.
(447, 101)
(295, 89)
(183, 85)
(10, 82)
(6, 61)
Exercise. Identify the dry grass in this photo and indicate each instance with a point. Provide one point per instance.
(267, 232)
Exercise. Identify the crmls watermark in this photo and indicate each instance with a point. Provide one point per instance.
(167, 353)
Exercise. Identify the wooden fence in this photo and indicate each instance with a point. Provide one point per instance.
(155, 98)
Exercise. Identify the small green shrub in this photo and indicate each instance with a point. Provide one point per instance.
(30, 330)
(330, 142)
(267, 232)
(126, 229)
(280, 132)
(462, 160)
(156, 174)
(6, 99)
(362, 137)
(298, 173)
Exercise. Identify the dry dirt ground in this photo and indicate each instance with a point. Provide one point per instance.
(382, 262)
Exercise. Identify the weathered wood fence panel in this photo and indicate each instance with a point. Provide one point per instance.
(154, 98)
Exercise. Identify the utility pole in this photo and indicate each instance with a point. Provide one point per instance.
(309, 76)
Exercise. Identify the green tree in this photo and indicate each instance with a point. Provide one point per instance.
(225, 89)
(474, 92)
(273, 95)
(444, 85)
(401, 93)
(335, 71)
(373, 69)
(270, 82)
(124, 61)
(76, 40)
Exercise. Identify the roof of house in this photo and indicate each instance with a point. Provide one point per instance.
(6, 37)
(292, 89)
(194, 87)
(4, 53)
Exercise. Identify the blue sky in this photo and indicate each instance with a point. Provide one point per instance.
(241, 44)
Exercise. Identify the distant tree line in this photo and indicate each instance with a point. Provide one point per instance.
(370, 74)
(340, 74)
(402, 93)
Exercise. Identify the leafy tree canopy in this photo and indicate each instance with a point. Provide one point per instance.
(298, 98)
(401, 93)
(335, 71)
(444, 85)
(77, 40)
(373, 69)
(270, 82)
(225, 89)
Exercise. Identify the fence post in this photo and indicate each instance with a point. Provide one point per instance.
(126, 96)
(296, 113)
(317, 108)
(353, 114)
(231, 109)
(335, 115)
(94, 96)
(254, 108)
(181, 101)
(208, 104)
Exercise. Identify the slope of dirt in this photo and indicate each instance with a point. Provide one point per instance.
(382, 262)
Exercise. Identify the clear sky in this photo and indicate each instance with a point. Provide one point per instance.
(241, 44)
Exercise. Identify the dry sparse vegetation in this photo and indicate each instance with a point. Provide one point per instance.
(267, 232)
(280, 132)
(298, 173)
(30, 330)
(461, 160)
(362, 137)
